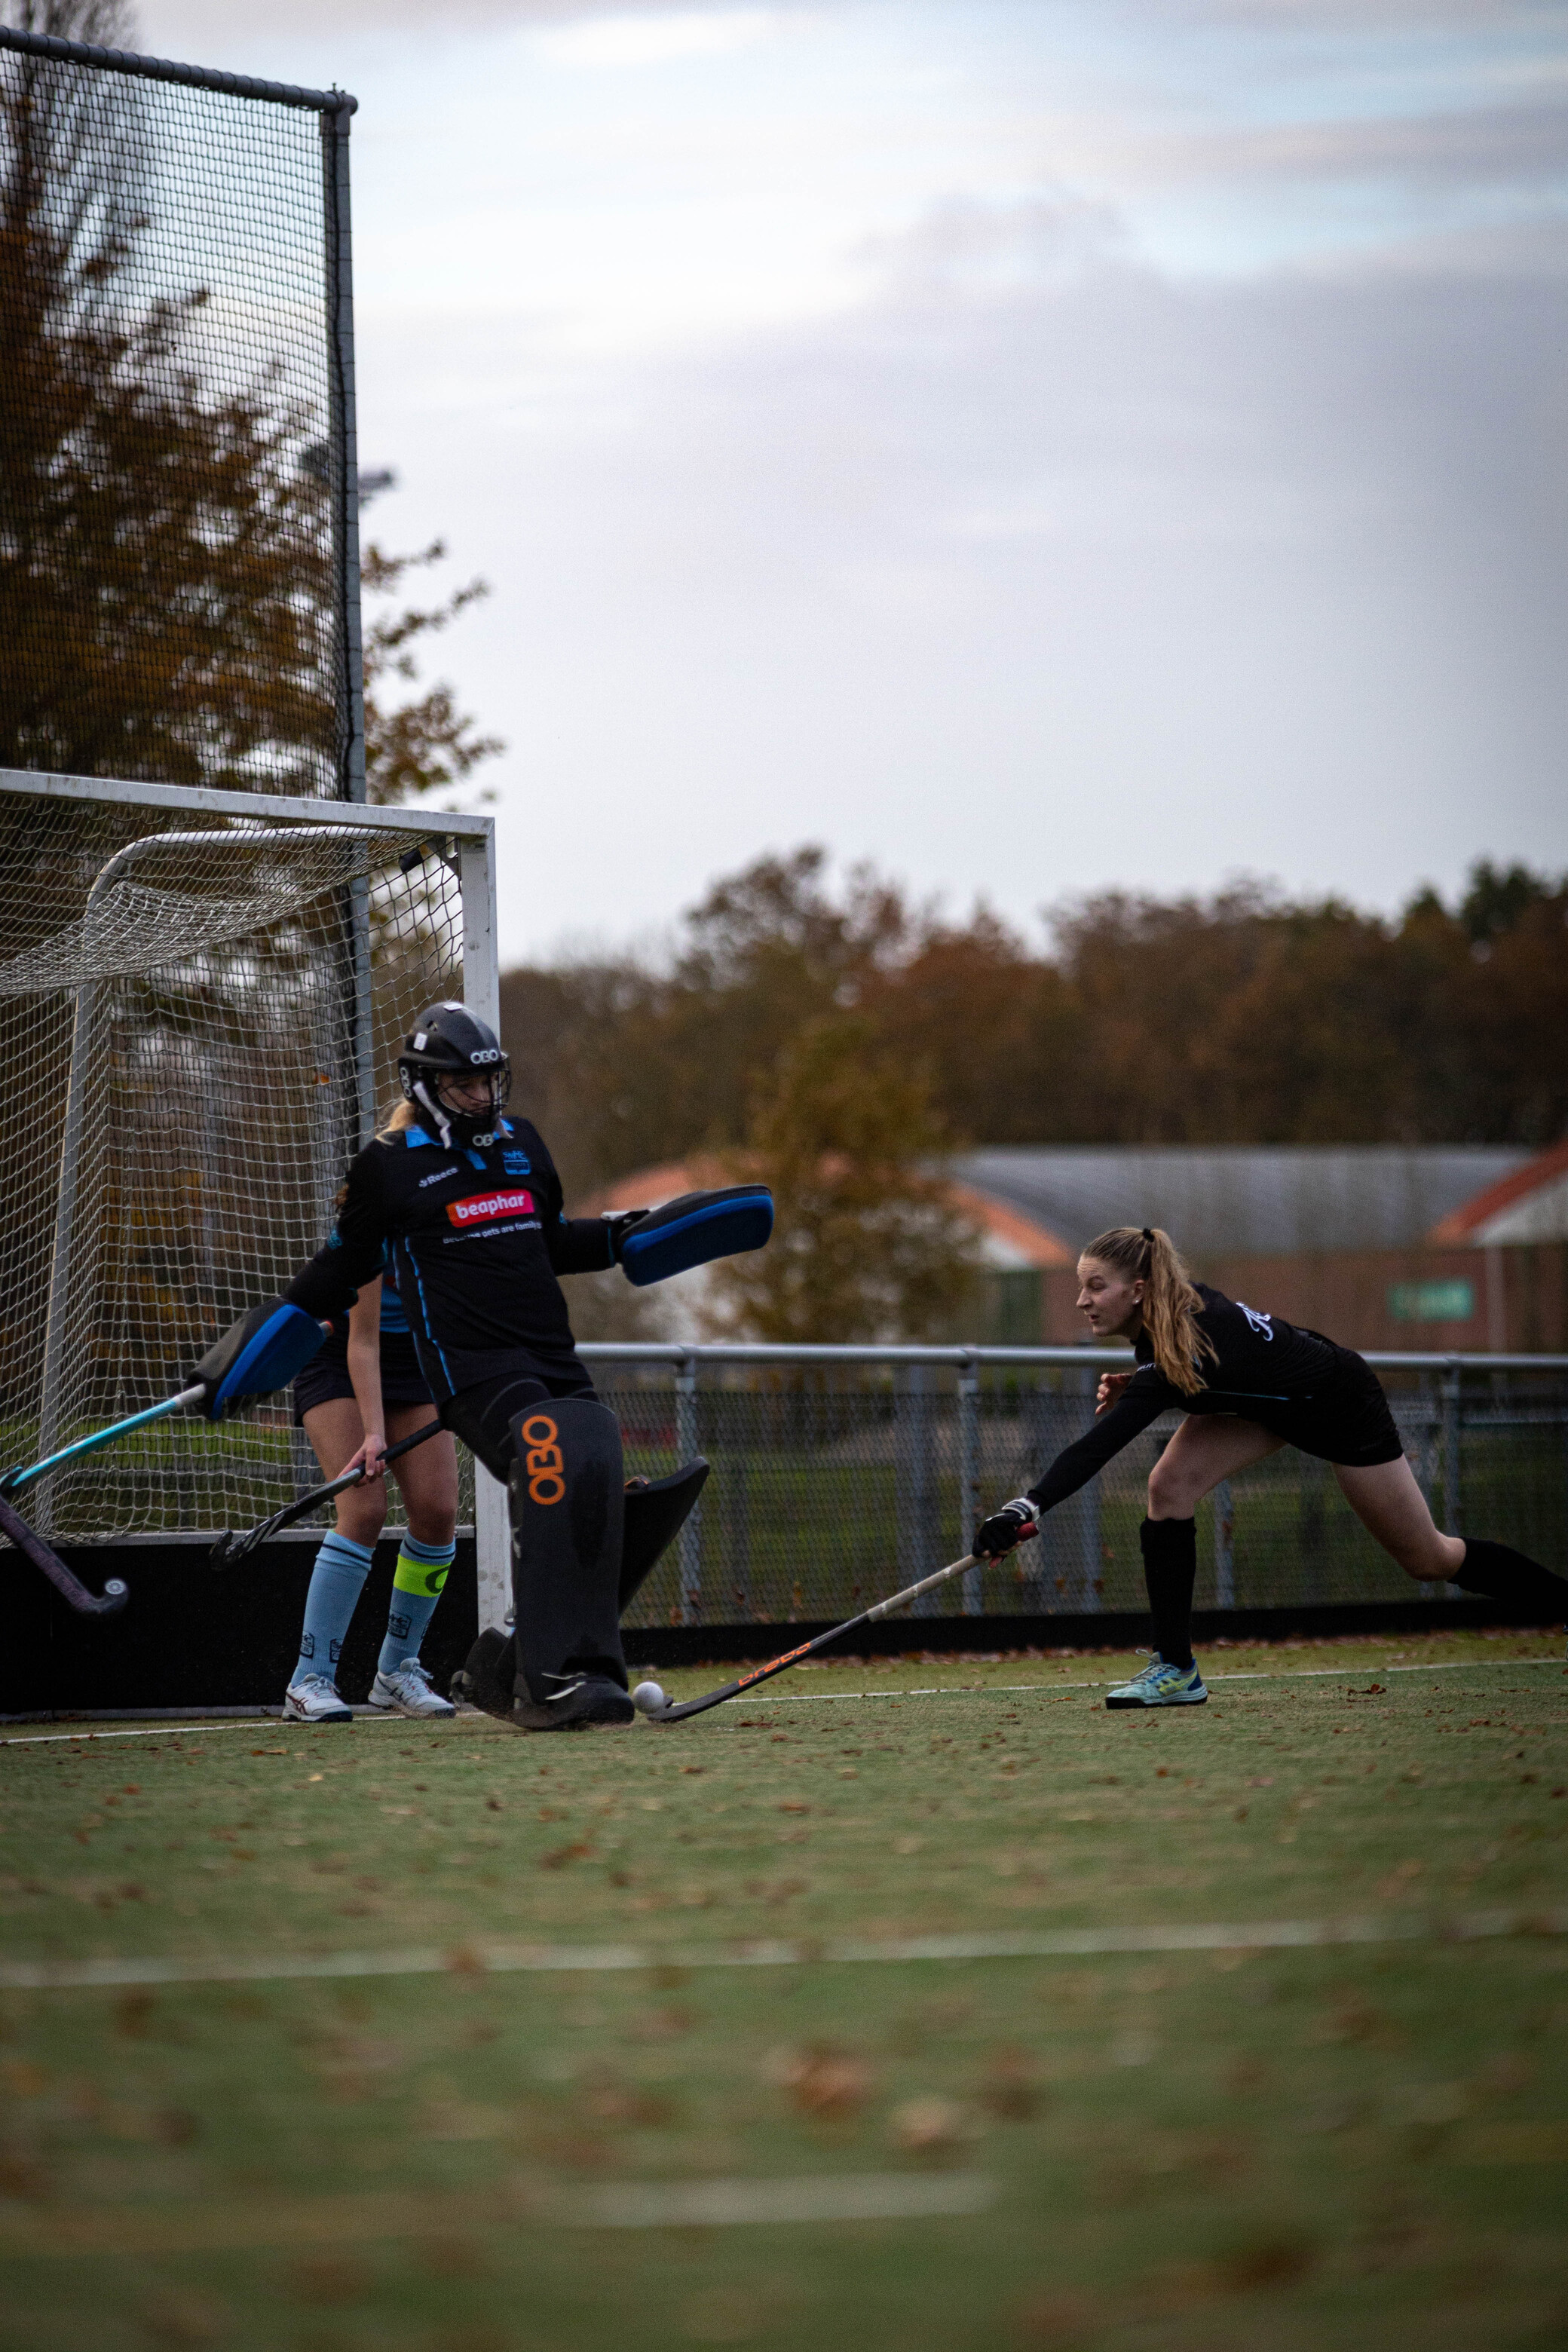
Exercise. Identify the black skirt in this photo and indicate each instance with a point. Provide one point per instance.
(1347, 1420)
(327, 1373)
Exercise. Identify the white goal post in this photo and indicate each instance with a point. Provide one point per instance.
(201, 995)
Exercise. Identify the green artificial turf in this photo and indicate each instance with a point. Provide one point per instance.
(1346, 2146)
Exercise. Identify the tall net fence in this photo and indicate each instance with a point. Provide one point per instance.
(178, 590)
(199, 1017)
(832, 1488)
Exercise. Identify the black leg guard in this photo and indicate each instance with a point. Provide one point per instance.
(487, 1674)
(565, 1492)
(655, 1511)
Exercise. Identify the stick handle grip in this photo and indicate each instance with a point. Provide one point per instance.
(926, 1584)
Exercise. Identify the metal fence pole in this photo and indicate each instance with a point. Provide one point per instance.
(738, 1532)
(915, 1508)
(969, 1482)
(1090, 1560)
(691, 1533)
(345, 466)
(1451, 1488)
(1224, 1546)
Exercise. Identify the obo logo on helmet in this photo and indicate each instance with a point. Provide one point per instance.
(543, 1461)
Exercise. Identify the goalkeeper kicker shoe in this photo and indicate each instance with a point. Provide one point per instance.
(406, 1691)
(1161, 1685)
(314, 1699)
(582, 1700)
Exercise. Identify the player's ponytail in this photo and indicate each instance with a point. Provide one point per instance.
(1171, 1305)
(399, 1116)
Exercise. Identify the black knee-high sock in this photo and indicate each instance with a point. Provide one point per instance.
(1170, 1570)
(1504, 1574)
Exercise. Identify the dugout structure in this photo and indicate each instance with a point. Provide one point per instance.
(179, 554)
(201, 995)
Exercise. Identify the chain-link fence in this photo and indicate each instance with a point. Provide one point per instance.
(179, 562)
(840, 1475)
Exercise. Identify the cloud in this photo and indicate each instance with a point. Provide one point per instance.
(656, 38)
(1473, 148)
(200, 27)
(1032, 583)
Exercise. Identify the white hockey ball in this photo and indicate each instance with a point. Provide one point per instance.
(649, 1699)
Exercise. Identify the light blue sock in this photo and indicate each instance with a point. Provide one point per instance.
(336, 1583)
(416, 1583)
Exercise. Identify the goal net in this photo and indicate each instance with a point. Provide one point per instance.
(199, 1017)
(179, 571)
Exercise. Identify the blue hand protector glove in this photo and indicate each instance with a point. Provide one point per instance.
(263, 1351)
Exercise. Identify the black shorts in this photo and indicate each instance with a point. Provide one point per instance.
(327, 1373)
(482, 1415)
(1347, 1420)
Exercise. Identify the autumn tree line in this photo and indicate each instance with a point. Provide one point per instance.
(1246, 1017)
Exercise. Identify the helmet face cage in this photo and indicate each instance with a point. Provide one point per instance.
(450, 1042)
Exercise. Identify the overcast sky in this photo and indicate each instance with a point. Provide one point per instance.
(1038, 444)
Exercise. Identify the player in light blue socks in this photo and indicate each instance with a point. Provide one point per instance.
(363, 1388)
(416, 1585)
(336, 1583)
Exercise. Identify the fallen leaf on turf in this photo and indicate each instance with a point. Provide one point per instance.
(133, 2013)
(1010, 2089)
(930, 2127)
(822, 2080)
(331, 2278)
(558, 1858)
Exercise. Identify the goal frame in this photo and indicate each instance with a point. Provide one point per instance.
(472, 837)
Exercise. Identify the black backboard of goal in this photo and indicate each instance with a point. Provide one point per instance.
(179, 557)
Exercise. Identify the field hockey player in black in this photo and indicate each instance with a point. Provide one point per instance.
(1248, 1384)
(466, 1207)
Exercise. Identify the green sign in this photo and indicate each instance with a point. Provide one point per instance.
(1432, 1302)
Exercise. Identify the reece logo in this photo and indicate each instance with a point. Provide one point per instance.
(480, 1208)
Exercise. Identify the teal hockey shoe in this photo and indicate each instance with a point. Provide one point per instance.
(1160, 1684)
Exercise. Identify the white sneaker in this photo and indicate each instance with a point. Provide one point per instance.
(314, 1699)
(408, 1692)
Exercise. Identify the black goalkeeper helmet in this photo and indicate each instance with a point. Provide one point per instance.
(449, 1042)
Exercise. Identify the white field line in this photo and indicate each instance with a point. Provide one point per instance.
(517, 2203)
(849, 2197)
(180, 1729)
(1013, 1690)
(1062, 1943)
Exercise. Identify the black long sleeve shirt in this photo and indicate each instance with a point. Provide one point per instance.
(475, 1240)
(1262, 1367)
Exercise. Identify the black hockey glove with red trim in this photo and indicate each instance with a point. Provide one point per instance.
(1014, 1524)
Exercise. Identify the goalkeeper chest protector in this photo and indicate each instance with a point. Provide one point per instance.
(475, 1239)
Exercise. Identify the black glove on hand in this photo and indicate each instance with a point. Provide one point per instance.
(620, 1223)
(1015, 1523)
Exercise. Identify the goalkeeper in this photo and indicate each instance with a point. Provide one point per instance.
(464, 1208)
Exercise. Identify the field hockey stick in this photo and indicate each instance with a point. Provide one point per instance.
(87, 1604)
(15, 1480)
(230, 1549)
(659, 1710)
